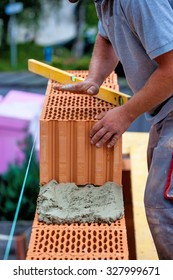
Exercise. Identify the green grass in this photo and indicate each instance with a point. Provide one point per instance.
(63, 58)
(24, 52)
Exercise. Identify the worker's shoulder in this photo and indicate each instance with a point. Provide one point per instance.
(145, 4)
(137, 9)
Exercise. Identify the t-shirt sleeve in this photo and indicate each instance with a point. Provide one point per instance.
(101, 30)
(152, 22)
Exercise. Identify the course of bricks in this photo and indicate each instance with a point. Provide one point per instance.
(78, 241)
(66, 155)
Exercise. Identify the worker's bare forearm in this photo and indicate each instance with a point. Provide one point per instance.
(103, 60)
(158, 88)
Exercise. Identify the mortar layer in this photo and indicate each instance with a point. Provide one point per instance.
(67, 203)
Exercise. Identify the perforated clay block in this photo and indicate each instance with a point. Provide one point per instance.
(78, 241)
(66, 153)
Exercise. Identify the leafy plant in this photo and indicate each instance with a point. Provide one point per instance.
(11, 183)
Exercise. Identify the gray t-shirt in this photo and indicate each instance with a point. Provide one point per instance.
(139, 31)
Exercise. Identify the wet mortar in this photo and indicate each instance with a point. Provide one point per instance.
(67, 203)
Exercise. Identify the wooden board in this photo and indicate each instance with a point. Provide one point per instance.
(135, 144)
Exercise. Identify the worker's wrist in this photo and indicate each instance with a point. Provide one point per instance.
(94, 81)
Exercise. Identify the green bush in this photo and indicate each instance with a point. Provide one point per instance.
(11, 183)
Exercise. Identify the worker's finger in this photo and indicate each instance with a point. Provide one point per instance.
(96, 127)
(100, 116)
(104, 139)
(113, 141)
(82, 88)
(97, 137)
(67, 87)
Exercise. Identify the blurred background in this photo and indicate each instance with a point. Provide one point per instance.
(62, 35)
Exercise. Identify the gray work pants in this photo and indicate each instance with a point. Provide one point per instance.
(159, 210)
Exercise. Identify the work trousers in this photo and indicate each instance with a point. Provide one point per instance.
(159, 203)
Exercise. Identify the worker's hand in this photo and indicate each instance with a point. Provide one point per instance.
(110, 126)
(85, 87)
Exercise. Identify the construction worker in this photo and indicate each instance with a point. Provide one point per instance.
(140, 35)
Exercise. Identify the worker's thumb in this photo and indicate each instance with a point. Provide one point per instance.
(93, 90)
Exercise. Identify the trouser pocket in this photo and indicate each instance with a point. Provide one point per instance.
(168, 190)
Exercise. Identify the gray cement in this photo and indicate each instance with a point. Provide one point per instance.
(68, 203)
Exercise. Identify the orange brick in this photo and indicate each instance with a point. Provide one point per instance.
(77, 242)
(66, 154)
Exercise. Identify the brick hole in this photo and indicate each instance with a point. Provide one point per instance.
(56, 250)
(100, 250)
(41, 239)
(62, 240)
(94, 240)
(110, 236)
(68, 236)
(79, 236)
(116, 240)
(111, 250)
(100, 236)
(51, 247)
(47, 236)
(72, 247)
(105, 240)
(89, 236)
(42, 233)
(83, 239)
(57, 236)
(116, 246)
(73, 240)
(45, 250)
(100, 243)
(46, 243)
(89, 250)
(51, 240)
